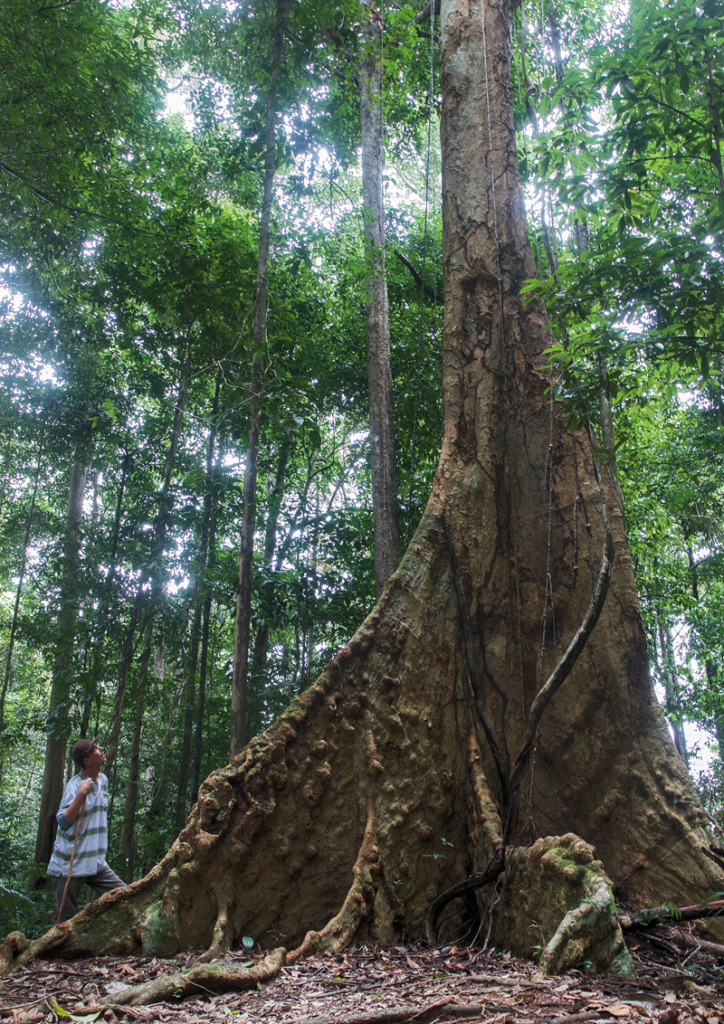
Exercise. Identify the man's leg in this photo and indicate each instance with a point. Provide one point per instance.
(70, 906)
(104, 881)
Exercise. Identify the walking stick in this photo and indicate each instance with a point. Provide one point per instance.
(70, 866)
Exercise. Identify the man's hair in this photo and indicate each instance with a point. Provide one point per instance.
(82, 750)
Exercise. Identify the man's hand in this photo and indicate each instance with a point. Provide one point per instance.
(71, 812)
(85, 787)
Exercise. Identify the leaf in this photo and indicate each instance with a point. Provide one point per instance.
(619, 1010)
(247, 942)
(72, 1016)
(710, 899)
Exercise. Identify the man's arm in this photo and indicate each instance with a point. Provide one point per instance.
(73, 810)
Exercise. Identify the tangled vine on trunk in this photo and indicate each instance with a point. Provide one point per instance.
(377, 789)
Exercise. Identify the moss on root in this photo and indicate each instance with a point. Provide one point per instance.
(558, 907)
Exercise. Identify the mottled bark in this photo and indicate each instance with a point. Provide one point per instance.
(383, 467)
(668, 671)
(328, 828)
(242, 630)
(55, 746)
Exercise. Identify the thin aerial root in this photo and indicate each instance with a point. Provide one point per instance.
(339, 931)
(220, 939)
(476, 881)
(219, 976)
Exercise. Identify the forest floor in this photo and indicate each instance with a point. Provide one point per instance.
(418, 984)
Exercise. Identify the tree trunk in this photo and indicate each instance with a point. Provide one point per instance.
(56, 742)
(128, 845)
(189, 699)
(377, 789)
(19, 590)
(711, 675)
(242, 629)
(124, 669)
(668, 671)
(154, 573)
(261, 641)
(383, 466)
(211, 511)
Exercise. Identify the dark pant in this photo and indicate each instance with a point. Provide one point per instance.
(104, 881)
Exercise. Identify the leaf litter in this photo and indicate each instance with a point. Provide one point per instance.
(413, 984)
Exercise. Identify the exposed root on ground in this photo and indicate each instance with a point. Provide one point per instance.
(28, 951)
(667, 914)
(15, 944)
(217, 977)
(220, 937)
(590, 934)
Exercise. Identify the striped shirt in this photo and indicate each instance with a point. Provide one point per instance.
(90, 853)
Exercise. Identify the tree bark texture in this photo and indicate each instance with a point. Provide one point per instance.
(57, 739)
(383, 466)
(242, 630)
(377, 789)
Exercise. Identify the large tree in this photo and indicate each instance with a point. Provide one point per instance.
(418, 757)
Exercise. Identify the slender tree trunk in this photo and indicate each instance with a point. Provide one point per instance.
(242, 629)
(188, 718)
(668, 671)
(711, 676)
(18, 592)
(211, 503)
(261, 641)
(201, 702)
(383, 466)
(124, 669)
(155, 573)
(56, 742)
(200, 588)
(128, 840)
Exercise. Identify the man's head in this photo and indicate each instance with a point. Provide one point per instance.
(88, 755)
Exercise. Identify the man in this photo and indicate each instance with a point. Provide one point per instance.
(89, 787)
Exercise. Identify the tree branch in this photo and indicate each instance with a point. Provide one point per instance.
(416, 277)
(649, 917)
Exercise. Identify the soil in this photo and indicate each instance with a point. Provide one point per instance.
(419, 984)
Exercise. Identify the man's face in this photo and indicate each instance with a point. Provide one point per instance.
(95, 760)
